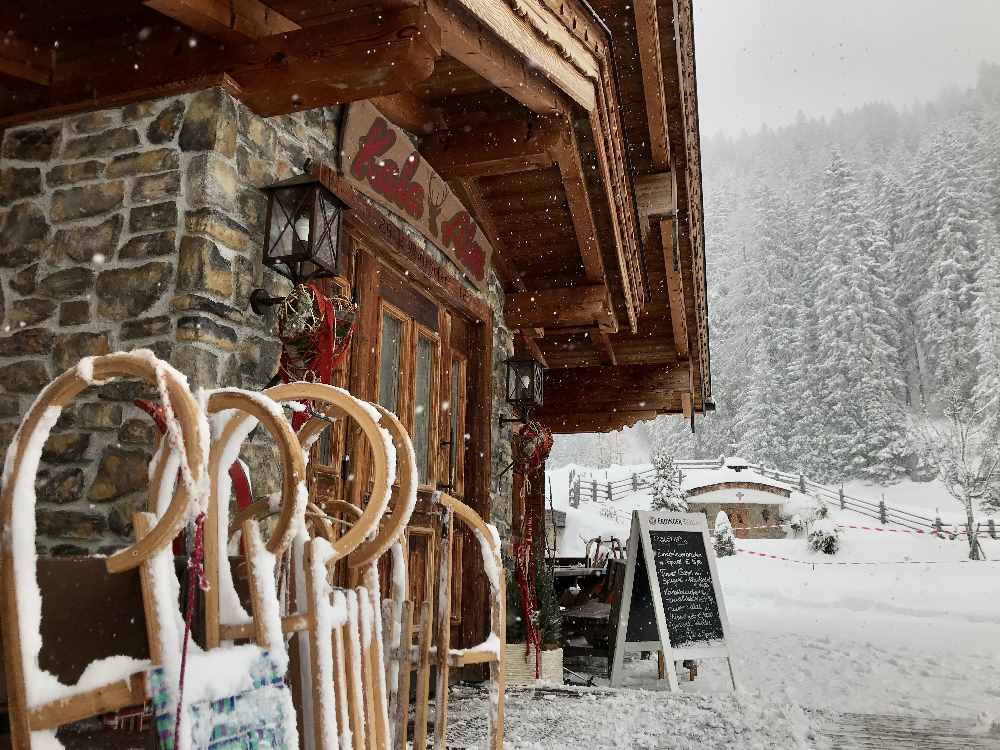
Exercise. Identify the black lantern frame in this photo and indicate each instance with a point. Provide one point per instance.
(303, 234)
(525, 386)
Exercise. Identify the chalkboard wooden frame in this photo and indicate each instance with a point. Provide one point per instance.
(644, 522)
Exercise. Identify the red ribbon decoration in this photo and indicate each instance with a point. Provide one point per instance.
(196, 575)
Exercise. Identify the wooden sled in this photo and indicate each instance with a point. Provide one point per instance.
(37, 703)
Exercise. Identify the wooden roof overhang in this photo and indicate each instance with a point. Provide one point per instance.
(570, 132)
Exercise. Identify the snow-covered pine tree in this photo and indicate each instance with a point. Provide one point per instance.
(723, 540)
(667, 493)
(856, 350)
(946, 241)
(987, 315)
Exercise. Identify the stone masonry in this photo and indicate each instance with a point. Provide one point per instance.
(135, 227)
(141, 226)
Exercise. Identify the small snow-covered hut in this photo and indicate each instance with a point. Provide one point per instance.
(754, 502)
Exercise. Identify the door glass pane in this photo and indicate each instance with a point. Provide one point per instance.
(388, 363)
(422, 407)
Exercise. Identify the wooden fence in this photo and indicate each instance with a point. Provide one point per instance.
(590, 489)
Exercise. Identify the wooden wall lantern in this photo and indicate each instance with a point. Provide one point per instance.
(303, 233)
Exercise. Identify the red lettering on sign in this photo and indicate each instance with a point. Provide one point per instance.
(460, 232)
(384, 175)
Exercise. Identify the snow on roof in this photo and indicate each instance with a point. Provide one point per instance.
(694, 478)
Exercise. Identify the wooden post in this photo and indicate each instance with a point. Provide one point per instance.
(841, 493)
(423, 677)
(938, 526)
(593, 491)
(881, 509)
(574, 494)
(444, 630)
(992, 526)
(610, 498)
(635, 482)
(661, 666)
(405, 665)
(802, 483)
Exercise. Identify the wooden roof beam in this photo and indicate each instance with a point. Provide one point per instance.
(528, 336)
(409, 112)
(22, 60)
(230, 21)
(571, 68)
(468, 192)
(647, 29)
(602, 341)
(570, 389)
(675, 287)
(463, 38)
(567, 154)
(552, 308)
(297, 70)
(568, 424)
(494, 149)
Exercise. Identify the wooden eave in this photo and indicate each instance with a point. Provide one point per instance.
(543, 120)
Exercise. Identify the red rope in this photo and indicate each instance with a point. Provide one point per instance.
(525, 574)
(196, 575)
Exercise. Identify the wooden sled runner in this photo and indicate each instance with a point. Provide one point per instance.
(355, 656)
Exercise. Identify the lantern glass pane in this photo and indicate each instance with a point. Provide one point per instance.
(289, 230)
(326, 240)
(524, 382)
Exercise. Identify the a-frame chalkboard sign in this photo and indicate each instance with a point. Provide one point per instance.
(671, 600)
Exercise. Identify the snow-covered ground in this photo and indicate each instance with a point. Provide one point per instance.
(578, 718)
(916, 633)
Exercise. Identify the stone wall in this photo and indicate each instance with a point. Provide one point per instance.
(132, 227)
(502, 485)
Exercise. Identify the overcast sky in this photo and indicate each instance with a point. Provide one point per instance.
(761, 61)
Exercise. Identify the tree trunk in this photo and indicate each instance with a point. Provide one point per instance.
(970, 532)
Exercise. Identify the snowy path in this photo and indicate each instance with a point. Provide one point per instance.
(566, 718)
(571, 718)
(874, 732)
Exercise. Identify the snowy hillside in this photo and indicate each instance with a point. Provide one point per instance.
(910, 628)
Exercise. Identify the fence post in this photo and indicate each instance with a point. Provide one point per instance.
(593, 490)
(635, 482)
(574, 494)
(802, 483)
(841, 493)
(992, 526)
(609, 492)
(881, 509)
(938, 526)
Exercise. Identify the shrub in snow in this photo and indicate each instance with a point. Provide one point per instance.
(801, 510)
(824, 537)
(822, 510)
(724, 542)
(667, 493)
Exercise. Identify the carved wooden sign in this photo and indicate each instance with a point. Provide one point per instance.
(378, 159)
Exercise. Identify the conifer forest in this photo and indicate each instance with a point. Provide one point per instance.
(854, 290)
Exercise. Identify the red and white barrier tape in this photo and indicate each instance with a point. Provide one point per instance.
(945, 532)
(769, 556)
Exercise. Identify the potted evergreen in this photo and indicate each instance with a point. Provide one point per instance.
(523, 665)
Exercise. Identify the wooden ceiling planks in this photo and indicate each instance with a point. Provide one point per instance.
(231, 21)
